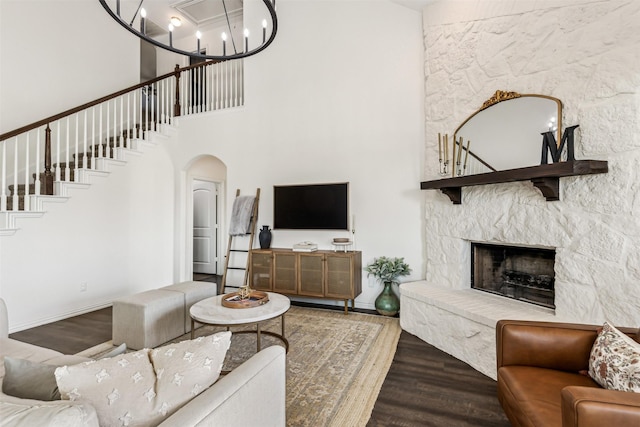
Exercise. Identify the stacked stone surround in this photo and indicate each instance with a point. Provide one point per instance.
(587, 53)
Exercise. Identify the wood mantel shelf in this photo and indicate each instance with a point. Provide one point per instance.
(545, 177)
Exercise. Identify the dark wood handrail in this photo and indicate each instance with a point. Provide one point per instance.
(98, 101)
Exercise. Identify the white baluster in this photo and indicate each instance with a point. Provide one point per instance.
(16, 198)
(77, 156)
(218, 86)
(207, 88)
(37, 178)
(26, 176)
(58, 150)
(3, 200)
(140, 121)
(100, 145)
(121, 134)
(223, 91)
(93, 138)
(127, 137)
(163, 102)
(133, 133)
(224, 84)
(189, 91)
(241, 83)
(85, 158)
(200, 89)
(157, 111)
(170, 99)
(229, 84)
(67, 169)
(236, 80)
(183, 93)
(107, 142)
(148, 103)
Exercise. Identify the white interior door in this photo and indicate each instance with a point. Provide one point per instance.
(205, 227)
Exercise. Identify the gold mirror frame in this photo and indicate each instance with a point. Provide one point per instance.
(498, 97)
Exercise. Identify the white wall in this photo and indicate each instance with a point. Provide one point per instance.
(115, 237)
(337, 97)
(58, 54)
(333, 99)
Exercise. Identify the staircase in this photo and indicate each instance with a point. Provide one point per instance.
(40, 162)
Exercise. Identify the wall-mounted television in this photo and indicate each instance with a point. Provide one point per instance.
(311, 207)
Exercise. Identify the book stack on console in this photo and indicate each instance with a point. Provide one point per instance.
(305, 247)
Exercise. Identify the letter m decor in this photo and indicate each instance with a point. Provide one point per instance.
(549, 144)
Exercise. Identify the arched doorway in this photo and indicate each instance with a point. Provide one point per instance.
(205, 181)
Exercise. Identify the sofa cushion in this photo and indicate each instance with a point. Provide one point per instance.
(50, 414)
(131, 390)
(614, 362)
(187, 368)
(120, 388)
(29, 380)
(532, 394)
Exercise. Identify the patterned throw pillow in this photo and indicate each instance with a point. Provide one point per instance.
(143, 388)
(185, 369)
(615, 360)
(121, 389)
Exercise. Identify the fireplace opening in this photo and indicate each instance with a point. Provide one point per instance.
(521, 273)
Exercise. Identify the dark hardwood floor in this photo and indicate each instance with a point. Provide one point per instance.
(427, 387)
(72, 335)
(424, 386)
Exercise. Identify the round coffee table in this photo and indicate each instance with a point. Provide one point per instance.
(210, 311)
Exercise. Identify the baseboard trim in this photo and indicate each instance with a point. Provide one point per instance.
(61, 316)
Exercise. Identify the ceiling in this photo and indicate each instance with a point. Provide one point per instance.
(194, 14)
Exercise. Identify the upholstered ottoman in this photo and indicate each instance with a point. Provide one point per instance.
(148, 319)
(193, 292)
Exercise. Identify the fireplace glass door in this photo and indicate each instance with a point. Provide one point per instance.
(524, 274)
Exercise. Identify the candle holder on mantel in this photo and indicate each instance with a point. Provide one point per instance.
(443, 149)
(458, 166)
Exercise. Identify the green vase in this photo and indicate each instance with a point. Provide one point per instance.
(388, 303)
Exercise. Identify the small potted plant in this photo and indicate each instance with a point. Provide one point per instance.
(387, 270)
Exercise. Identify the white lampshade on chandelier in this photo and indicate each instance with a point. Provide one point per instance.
(136, 23)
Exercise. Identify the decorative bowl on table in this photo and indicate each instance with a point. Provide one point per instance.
(245, 299)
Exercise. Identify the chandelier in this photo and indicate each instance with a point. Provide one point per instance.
(137, 24)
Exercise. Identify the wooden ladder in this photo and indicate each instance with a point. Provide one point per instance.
(232, 250)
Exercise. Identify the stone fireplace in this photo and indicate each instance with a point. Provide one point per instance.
(521, 273)
(594, 227)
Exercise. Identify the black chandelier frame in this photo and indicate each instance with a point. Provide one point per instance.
(129, 26)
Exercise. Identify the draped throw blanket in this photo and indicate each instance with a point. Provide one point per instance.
(241, 215)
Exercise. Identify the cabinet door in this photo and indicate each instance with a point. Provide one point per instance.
(339, 276)
(261, 271)
(284, 273)
(311, 275)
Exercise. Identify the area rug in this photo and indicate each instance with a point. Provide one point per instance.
(336, 363)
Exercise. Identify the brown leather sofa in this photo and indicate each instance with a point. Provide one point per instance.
(542, 378)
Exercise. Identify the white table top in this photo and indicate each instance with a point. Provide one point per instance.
(212, 312)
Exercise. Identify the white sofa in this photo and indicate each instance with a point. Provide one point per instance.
(251, 395)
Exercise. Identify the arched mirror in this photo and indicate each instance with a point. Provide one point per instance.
(506, 133)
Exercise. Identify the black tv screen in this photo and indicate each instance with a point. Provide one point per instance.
(311, 207)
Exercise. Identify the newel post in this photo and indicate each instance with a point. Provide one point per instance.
(176, 106)
(47, 184)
